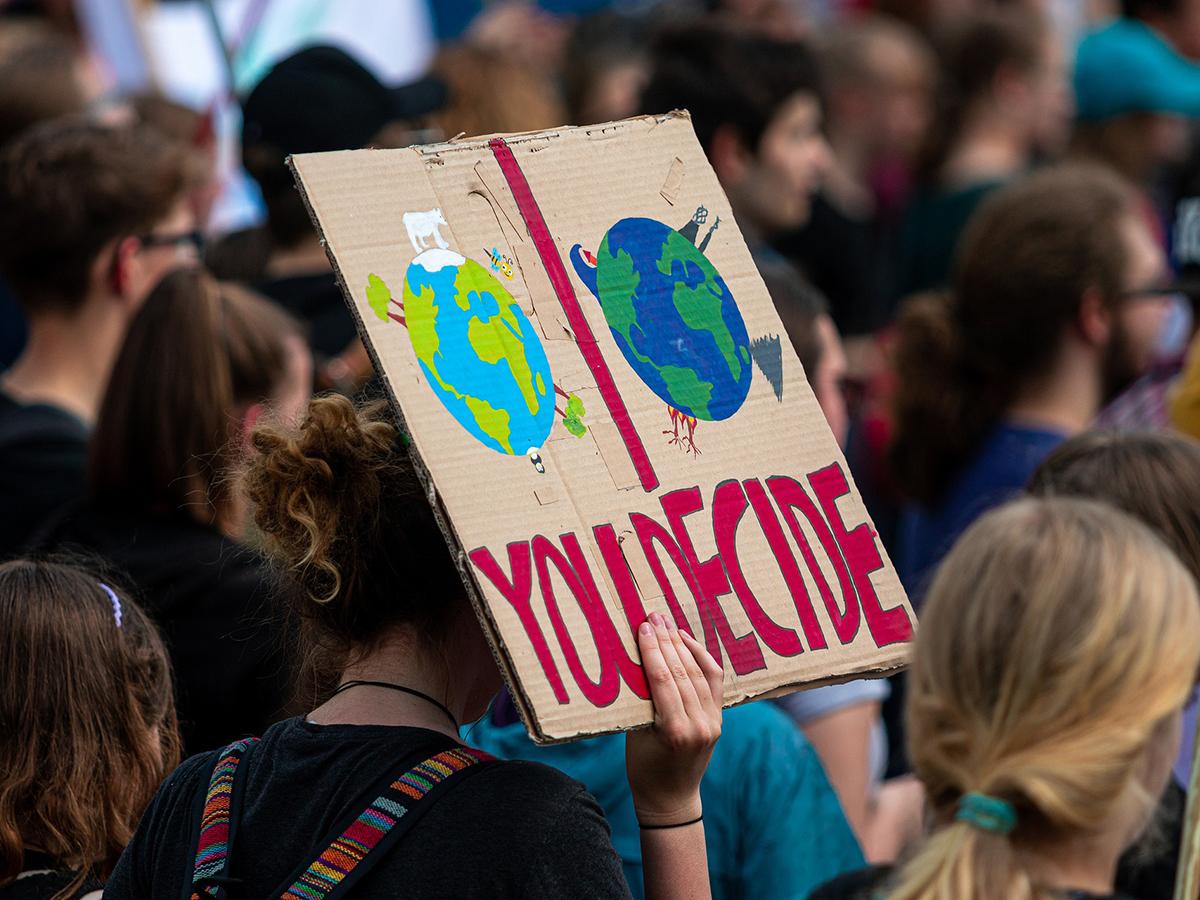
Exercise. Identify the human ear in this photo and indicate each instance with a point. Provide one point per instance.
(1095, 318)
(122, 270)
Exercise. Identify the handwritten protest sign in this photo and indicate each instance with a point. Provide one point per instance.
(607, 413)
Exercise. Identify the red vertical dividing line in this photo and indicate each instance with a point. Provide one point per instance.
(561, 281)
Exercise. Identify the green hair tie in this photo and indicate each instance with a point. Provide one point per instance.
(987, 813)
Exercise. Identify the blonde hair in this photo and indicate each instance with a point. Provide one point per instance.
(1056, 637)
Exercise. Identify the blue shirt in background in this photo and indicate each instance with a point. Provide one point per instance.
(772, 823)
(1000, 470)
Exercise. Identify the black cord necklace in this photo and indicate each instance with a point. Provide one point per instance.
(402, 689)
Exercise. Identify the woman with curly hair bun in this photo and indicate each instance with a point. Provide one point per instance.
(392, 637)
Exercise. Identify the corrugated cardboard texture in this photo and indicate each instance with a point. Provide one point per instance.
(734, 516)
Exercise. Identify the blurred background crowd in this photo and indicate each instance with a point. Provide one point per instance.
(979, 221)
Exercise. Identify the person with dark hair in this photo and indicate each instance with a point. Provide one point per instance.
(87, 727)
(386, 619)
(201, 365)
(42, 76)
(879, 78)
(1004, 101)
(90, 218)
(1054, 310)
(804, 312)
(755, 103)
(1155, 477)
(318, 99)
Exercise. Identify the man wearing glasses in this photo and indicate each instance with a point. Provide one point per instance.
(91, 217)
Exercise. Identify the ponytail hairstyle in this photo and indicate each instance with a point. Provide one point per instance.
(1057, 638)
(197, 354)
(1028, 257)
(87, 718)
(342, 511)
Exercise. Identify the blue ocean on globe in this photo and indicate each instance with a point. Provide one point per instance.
(479, 351)
(673, 317)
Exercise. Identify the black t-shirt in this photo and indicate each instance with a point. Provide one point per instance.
(316, 300)
(516, 829)
(867, 884)
(217, 605)
(43, 463)
(42, 879)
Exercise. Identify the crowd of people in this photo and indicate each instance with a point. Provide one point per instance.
(238, 655)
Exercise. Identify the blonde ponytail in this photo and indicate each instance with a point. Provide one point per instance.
(1056, 637)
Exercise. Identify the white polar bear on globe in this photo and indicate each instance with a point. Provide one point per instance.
(424, 225)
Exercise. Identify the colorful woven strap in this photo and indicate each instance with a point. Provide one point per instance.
(347, 851)
(212, 850)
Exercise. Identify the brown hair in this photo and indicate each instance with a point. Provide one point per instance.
(167, 434)
(1056, 639)
(973, 52)
(342, 510)
(491, 94)
(1153, 476)
(71, 187)
(39, 76)
(728, 77)
(1026, 260)
(87, 719)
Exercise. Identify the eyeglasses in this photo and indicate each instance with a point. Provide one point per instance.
(184, 242)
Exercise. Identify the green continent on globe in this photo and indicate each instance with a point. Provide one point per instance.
(474, 343)
(696, 304)
(378, 296)
(618, 280)
(671, 315)
(420, 314)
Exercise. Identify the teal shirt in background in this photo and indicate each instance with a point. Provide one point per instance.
(772, 823)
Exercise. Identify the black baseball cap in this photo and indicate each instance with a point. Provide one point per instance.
(321, 98)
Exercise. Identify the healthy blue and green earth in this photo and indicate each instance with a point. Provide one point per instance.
(673, 317)
(479, 352)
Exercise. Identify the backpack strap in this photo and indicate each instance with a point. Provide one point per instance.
(218, 822)
(358, 843)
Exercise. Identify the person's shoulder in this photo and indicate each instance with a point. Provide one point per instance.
(536, 782)
(196, 769)
(38, 425)
(1011, 453)
(532, 792)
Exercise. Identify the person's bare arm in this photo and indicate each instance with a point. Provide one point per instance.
(842, 739)
(665, 763)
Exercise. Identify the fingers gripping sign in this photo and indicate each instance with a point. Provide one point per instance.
(666, 762)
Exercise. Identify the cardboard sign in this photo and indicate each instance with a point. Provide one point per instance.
(608, 414)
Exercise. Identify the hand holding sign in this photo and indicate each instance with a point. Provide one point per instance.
(666, 761)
